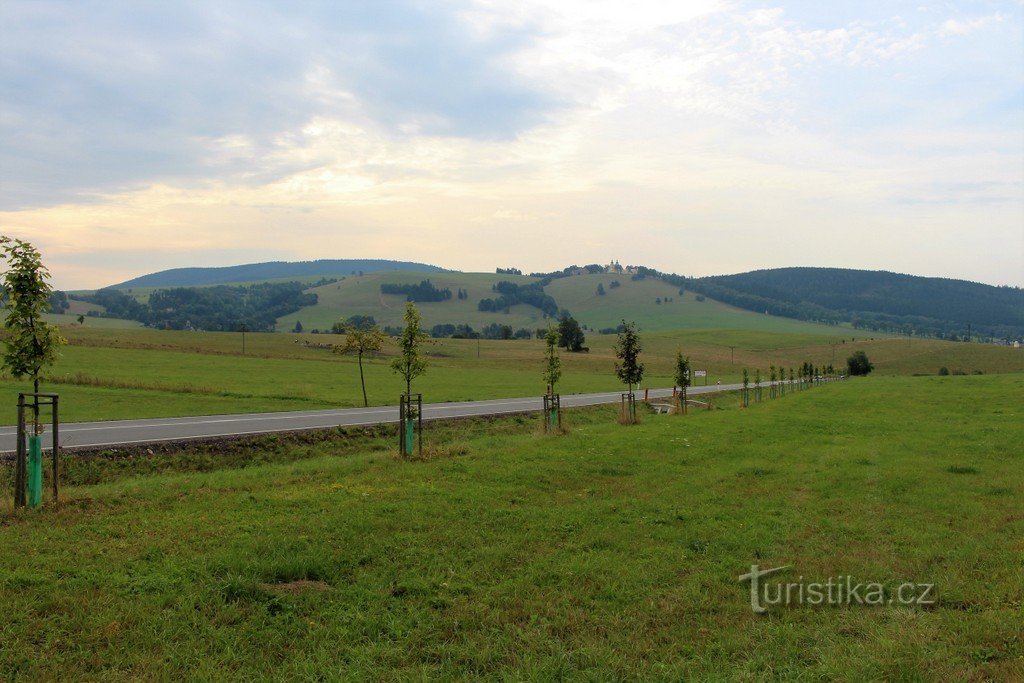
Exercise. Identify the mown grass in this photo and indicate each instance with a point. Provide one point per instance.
(608, 553)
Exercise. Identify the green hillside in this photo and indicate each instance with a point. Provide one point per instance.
(876, 300)
(635, 300)
(362, 296)
(273, 270)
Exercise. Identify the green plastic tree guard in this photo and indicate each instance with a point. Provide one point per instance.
(35, 471)
(410, 425)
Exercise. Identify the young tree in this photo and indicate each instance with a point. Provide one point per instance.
(627, 350)
(31, 343)
(552, 363)
(362, 340)
(629, 370)
(746, 388)
(682, 376)
(771, 387)
(410, 364)
(757, 385)
(600, 289)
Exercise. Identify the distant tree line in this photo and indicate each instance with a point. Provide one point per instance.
(58, 302)
(491, 331)
(512, 294)
(424, 291)
(219, 308)
(880, 301)
(508, 271)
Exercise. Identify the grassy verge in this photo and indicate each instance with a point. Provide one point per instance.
(610, 552)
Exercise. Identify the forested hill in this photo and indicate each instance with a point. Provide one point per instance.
(877, 300)
(273, 270)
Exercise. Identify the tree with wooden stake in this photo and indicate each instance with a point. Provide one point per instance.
(757, 385)
(30, 346)
(552, 373)
(410, 364)
(360, 340)
(682, 378)
(745, 396)
(629, 370)
(771, 377)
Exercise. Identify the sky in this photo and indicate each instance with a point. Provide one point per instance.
(697, 137)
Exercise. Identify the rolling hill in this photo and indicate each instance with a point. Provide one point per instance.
(633, 300)
(876, 300)
(785, 299)
(273, 270)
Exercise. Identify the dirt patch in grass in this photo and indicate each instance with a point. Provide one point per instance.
(300, 586)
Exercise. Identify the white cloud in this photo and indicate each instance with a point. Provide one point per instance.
(681, 126)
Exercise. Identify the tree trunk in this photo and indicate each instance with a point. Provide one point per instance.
(35, 406)
(362, 381)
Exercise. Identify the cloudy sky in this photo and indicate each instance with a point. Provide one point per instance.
(698, 137)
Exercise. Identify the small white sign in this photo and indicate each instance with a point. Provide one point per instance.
(700, 373)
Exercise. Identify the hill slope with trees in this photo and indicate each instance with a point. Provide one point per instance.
(272, 270)
(876, 300)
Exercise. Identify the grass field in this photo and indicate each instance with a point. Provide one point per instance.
(610, 553)
(122, 373)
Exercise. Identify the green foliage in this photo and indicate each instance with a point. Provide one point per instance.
(570, 335)
(858, 364)
(31, 344)
(629, 369)
(410, 363)
(513, 293)
(360, 322)
(552, 363)
(217, 309)
(424, 291)
(682, 370)
(59, 302)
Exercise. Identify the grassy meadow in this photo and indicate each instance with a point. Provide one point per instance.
(607, 553)
(122, 373)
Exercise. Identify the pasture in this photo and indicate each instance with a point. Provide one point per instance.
(608, 553)
(124, 373)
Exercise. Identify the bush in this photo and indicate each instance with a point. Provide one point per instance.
(858, 364)
(943, 370)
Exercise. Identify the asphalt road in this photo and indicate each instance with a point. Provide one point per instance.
(126, 432)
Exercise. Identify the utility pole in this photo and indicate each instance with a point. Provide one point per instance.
(243, 339)
(732, 355)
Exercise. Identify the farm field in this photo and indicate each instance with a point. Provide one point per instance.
(608, 553)
(125, 373)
